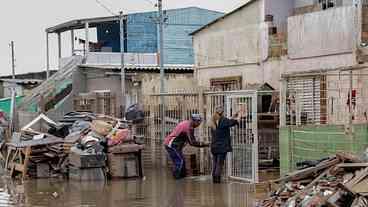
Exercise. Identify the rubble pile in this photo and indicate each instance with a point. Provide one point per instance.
(341, 180)
(76, 147)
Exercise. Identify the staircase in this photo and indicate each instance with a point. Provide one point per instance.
(53, 90)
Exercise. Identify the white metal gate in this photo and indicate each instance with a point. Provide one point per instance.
(243, 161)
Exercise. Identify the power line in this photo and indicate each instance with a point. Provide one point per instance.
(106, 7)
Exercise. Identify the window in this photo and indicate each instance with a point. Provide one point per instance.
(326, 4)
(226, 84)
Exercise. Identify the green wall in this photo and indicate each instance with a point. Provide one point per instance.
(5, 104)
(316, 142)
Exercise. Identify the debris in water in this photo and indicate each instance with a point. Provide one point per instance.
(55, 194)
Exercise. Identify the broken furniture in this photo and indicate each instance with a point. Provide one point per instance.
(86, 166)
(125, 161)
(25, 155)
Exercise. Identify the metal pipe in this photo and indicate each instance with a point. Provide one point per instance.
(13, 59)
(87, 38)
(47, 56)
(59, 45)
(161, 65)
(72, 40)
(122, 63)
(13, 91)
(351, 102)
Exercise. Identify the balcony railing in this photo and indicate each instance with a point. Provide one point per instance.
(105, 58)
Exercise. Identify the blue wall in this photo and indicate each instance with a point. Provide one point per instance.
(142, 33)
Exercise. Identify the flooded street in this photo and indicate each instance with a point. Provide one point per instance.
(158, 189)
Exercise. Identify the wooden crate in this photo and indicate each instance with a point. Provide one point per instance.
(86, 174)
(123, 165)
(80, 159)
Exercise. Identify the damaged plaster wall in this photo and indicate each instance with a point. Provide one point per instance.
(251, 74)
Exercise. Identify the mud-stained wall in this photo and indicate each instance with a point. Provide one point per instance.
(269, 72)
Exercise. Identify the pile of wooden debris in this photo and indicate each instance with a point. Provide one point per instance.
(77, 147)
(341, 180)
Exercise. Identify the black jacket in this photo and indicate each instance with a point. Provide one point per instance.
(221, 140)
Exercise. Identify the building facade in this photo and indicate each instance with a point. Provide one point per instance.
(233, 51)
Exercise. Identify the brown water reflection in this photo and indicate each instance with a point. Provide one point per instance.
(158, 189)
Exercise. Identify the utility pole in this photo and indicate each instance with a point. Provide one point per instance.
(122, 46)
(12, 59)
(161, 21)
(13, 94)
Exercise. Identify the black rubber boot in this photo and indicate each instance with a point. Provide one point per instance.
(216, 179)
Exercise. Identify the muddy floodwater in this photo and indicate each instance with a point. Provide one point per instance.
(156, 189)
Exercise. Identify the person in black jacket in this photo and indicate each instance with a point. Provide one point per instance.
(221, 140)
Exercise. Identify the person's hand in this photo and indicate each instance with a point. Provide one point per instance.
(205, 144)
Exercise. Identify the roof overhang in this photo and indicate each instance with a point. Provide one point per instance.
(144, 68)
(80, 24)
(22, 81)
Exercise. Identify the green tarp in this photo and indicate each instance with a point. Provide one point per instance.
(5, 104)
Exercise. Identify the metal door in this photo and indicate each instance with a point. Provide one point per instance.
(242, 163)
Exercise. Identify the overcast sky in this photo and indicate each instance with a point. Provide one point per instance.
(24, 21)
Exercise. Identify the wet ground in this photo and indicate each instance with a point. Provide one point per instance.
(158, 189)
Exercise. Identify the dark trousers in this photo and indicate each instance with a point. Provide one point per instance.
(218, 165)
(177, 158)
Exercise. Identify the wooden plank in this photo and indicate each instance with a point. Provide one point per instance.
(344, 156)
(26, 160)
(352, 165)
(301, 174)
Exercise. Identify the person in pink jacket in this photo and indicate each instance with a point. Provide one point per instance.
(175, 142)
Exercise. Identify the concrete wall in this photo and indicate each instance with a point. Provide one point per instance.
(320, 63)
(97, 80)
(302, 3)
(8, 91)
(238, 46)
(321, 40)
(316, 142)
(323, 33)
(148, 83)
(151, 82)
(233, 40)
(269, 72)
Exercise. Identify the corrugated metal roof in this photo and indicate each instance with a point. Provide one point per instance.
(80, 23)
(223, 17)
(144, 68)
(22, 81)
